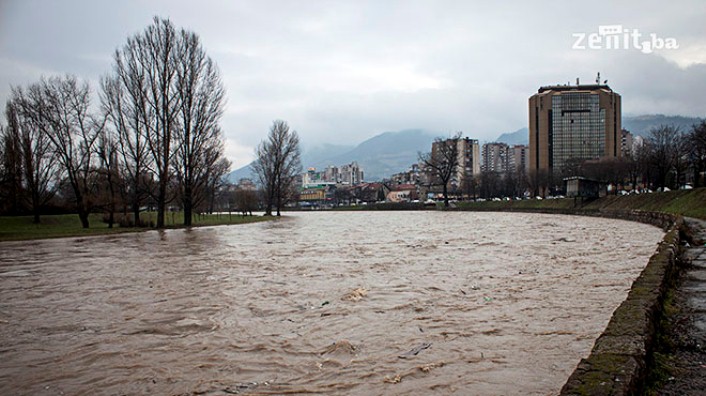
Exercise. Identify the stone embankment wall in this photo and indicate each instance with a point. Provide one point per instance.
(620, 357)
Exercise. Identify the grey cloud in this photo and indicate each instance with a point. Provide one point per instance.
(343, 71)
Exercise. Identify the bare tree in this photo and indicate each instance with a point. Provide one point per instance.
(632, 167)
(123, 100)
(697, 153)
(147, 67)
(168, 94)
(539, 181)
(34, 151)
(469, 186)
(680, 156)
(442, 162)
(12, 193)
(245, 201)
(107, 150)
(490, 184)
(200, 96)
(210, 168)
(662, 152)
(60, 107)
(277, 165)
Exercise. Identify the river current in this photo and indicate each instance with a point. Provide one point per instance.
(363, 303)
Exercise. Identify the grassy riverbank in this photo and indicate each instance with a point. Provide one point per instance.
(691, 203)
(18, 228)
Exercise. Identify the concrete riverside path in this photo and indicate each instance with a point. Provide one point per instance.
(688, 326)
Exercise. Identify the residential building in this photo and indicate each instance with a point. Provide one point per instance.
(351, 174)
(403, 193)
(468, 159)
(626, 143)
(311, 177)
(316, 196)
(331, 174)
(519, 158)
(410, 176)
(496, 158)
(370, 192)
(573, 122)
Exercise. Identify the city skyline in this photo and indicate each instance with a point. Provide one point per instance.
(342, 72)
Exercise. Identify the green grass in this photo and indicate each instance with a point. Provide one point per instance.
(691, 203)
(57, 226)
(528, 204)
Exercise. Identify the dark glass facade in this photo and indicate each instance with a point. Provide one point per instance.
(569, 123)
(577, 128)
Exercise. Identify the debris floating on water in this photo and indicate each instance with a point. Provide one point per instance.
(356, 295)
(393, 380)
(340, 346)
(415, 351)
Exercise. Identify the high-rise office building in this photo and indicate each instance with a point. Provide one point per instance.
(577, 122)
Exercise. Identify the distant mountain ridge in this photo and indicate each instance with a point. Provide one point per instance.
(520, 136)
(642, 124)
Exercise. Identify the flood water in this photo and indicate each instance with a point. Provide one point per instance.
(365, 303)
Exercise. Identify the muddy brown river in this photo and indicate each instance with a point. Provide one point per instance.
(369, 303)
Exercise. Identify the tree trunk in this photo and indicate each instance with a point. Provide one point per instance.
(161, 202)
(446, 195)
(136, 213)
(279, 204)
(35, 208)
(83, 216)
(188, 210)
(111, 216)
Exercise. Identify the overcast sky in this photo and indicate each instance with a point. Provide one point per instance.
(343, 71)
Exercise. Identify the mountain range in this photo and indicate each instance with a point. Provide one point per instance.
(392, 152)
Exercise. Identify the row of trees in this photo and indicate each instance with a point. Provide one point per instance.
(667, 158)
(153, 137)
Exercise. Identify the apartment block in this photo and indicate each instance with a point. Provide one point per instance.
(468, 158)
(496, 158)
(519, 160)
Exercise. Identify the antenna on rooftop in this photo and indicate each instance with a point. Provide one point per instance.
(577, 81)
(598, 78)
